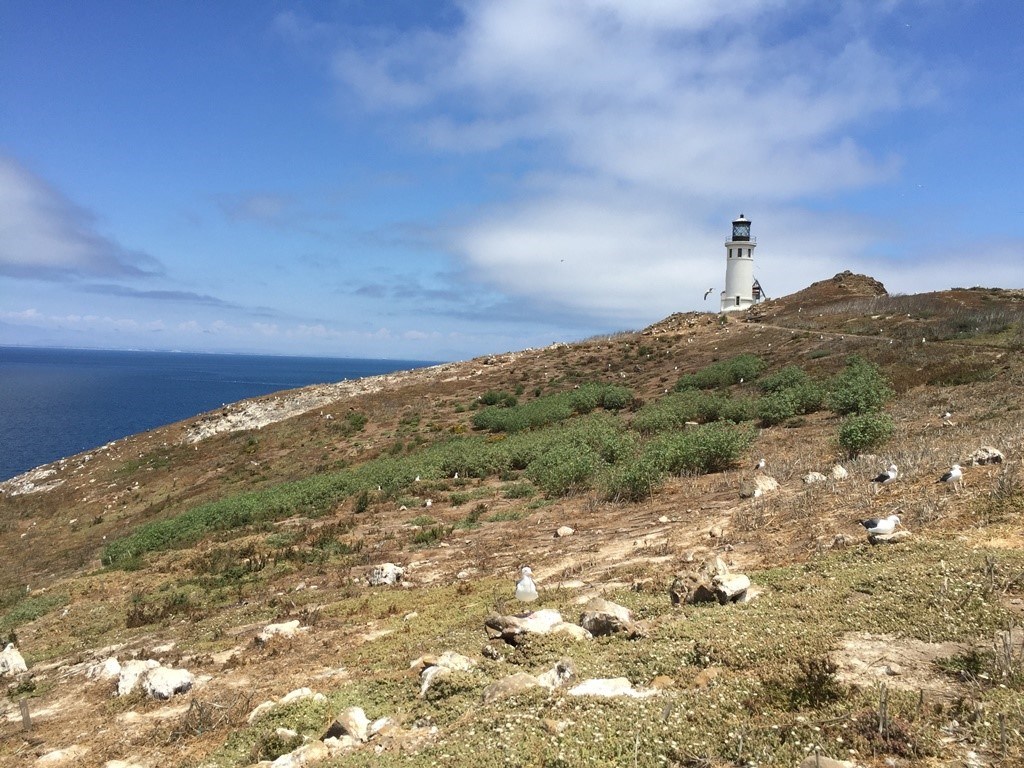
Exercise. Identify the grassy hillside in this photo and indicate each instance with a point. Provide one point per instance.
(181, 545)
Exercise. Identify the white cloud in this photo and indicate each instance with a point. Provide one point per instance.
(44, 235)
(651, 124)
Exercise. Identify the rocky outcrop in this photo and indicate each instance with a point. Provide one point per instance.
(11, 661)
(985, 455)
(603, 617)
(547, 621)
(556, 677)
(712, 582)
(432, 668)
(385, 574)
(609, 688)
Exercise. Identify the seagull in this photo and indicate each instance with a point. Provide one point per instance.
(881, 526)
(947, 414)
(888, 476)
(952, 476)
(526, 589)
(707, 293)
(761, 464)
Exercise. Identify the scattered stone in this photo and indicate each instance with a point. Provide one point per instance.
(563, 531)
(609, 688)
(711, 582)
(547, 621)
(985, 455)
(131, 674)
(888, 538)
(556, 677)
(432, 668)
(163, 682)
(11, 661)
(385, 574)
(509, 686)
(839, 472)
(758, 486)
(603, 617)
(814, 477)
(351, 721)
(297, 695)
(663, 519)
(68, 756)
(285, 629)
(716, 532)
(817, 761)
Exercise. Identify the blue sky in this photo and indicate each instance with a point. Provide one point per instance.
(434, 180)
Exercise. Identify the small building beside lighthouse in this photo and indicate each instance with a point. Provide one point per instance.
(741, 290)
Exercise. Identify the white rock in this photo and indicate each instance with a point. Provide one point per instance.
(68, 756)
(131, 672)
(839, 472)
(353, 722)
(385, 574)
(603, 617)
(260, 710)
(564, 530)
(163, 682)
(985, 455)
(11, 661)
(120, 764)
(814, 477)
(297, 695)
(285, 629)
(608, 688)
(104, 670)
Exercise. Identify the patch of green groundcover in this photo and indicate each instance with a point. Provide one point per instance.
(776, 697)
(560, 459)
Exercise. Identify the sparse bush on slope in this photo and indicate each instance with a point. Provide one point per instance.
(550, 409)
(865, 431)
(859, 388)
(745, 367)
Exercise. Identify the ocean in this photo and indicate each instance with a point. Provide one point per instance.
(59, 402)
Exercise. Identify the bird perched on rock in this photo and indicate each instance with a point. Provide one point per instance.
(526, 589)
(888, 476)
(952, 476)
(881, 526)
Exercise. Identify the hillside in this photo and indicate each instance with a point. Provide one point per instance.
(183, 544)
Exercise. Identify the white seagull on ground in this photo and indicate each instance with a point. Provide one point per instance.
(888, 476)
(526, 589)
(952, 476)
(881, 526)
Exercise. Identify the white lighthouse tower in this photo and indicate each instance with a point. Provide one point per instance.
(741, 290)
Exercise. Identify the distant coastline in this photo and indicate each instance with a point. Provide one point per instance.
(58, 401)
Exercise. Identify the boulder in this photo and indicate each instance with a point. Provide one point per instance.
(839, 472)
(888, 538)
(608, 688)
(814, 477)
(985, 455)
(163, 682)
(547, 621)
(560, 674)
(131, 674)
(104, 670)
(351, 721)
(432, 668)
(68, 756)
(731, 587)
(602, 617)
(385, 574)
(817, 761)
(285, 629)
(510, 686)
(758, 486)
(11, 661)
(563, 531)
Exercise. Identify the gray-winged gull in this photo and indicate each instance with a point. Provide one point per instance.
(888, 476)
(881, 526)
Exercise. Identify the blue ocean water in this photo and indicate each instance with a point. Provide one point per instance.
(59, 402)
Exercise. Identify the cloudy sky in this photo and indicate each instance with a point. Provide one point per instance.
(431, 180)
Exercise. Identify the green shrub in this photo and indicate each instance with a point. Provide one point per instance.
(776, 407)
(551, 409)
(703, 449)
(865, 431)
(518, 491)
(859, 388)
(788, 378)
(563, 469)
(499, 398)
(745, 367)
(674, 410)
(633, 480)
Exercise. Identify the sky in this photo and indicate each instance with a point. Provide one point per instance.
(441, 180)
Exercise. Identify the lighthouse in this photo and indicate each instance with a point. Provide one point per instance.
(741, 290)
